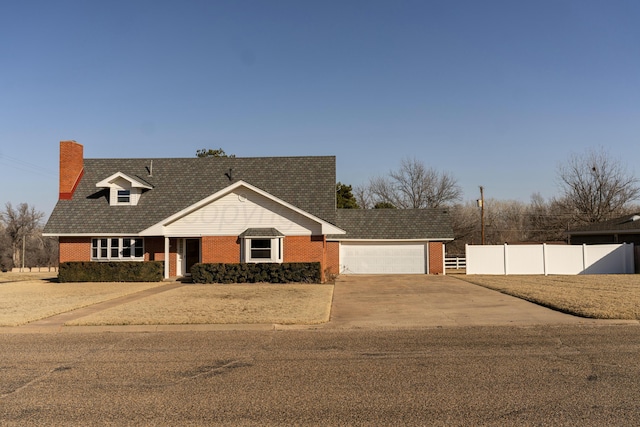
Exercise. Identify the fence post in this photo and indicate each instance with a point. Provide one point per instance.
(506, 260)
(584, 257)
(444, 262)
(544, 258)
(466, 256)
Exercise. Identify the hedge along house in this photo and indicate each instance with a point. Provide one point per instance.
(232, 210)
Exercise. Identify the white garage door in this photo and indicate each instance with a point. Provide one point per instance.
(382, 258)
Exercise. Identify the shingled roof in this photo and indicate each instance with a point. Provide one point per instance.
(624, 224)
(398, 224)
(177, 183)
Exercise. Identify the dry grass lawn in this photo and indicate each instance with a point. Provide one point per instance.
(222, 304)
(26, 298)
(21, 277)
(594, 296)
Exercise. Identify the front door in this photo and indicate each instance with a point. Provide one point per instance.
(192, 254)
(188, 255)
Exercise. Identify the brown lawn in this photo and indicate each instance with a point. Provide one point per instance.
(28, 297)
(25, 299)
(611, 296)
(223, 304)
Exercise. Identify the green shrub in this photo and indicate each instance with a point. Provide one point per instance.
(293, 272)
(124, 271)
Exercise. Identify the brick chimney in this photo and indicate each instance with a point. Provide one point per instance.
(71, 168)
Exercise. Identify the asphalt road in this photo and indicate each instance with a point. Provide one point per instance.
(542, 375)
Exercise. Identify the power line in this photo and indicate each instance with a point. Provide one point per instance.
(25, 166)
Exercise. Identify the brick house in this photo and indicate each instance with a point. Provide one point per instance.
(232, 210)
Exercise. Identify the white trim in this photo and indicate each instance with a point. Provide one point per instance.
(166, 257)
(180, 256)
(120, 248)
(158, 229)
(276, 250)
(108, 182)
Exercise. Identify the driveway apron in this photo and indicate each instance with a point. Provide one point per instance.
(401, 301)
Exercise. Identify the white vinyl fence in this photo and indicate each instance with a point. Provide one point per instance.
(550, 259)
(455, 263)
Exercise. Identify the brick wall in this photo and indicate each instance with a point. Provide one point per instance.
(303, 249)
(173, 257)
(154, 249)
(332, 259)
(224, 249)
(436, 258)
(75, 249)
(306, 249)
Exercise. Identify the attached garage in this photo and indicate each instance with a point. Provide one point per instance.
(383, 258)
(392, 241)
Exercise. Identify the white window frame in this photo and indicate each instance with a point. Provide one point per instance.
(276, 249)
(117, 249)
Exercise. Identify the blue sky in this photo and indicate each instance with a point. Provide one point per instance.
(497, 93)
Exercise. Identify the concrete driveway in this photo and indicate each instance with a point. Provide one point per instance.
(405, 301)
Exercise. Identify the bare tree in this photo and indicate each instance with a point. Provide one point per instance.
(415, 186)
(19, 224)
(363, 196)
(505, 221)
(547, 220)
(596, 187)
(6, 256)
(465, 220)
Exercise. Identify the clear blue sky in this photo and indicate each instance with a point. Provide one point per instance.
(497, 93)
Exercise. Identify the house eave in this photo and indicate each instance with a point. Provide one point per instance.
(136, 183)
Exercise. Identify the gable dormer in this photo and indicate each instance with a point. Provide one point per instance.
(124, 190)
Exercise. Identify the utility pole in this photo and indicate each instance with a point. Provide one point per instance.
(481, 206)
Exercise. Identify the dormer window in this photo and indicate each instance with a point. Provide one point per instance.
(124, 189)
(124, 197)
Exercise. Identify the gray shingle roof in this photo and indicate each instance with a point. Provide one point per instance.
(305, 182)
(623, 224)
(261, 232)
(431, 224)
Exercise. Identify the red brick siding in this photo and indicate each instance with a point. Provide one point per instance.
(75, 249)
(303, 249)
(332, 261)
(306, 249)
(173, 257)
(436, 260)
(154, 249)
(224, 249)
